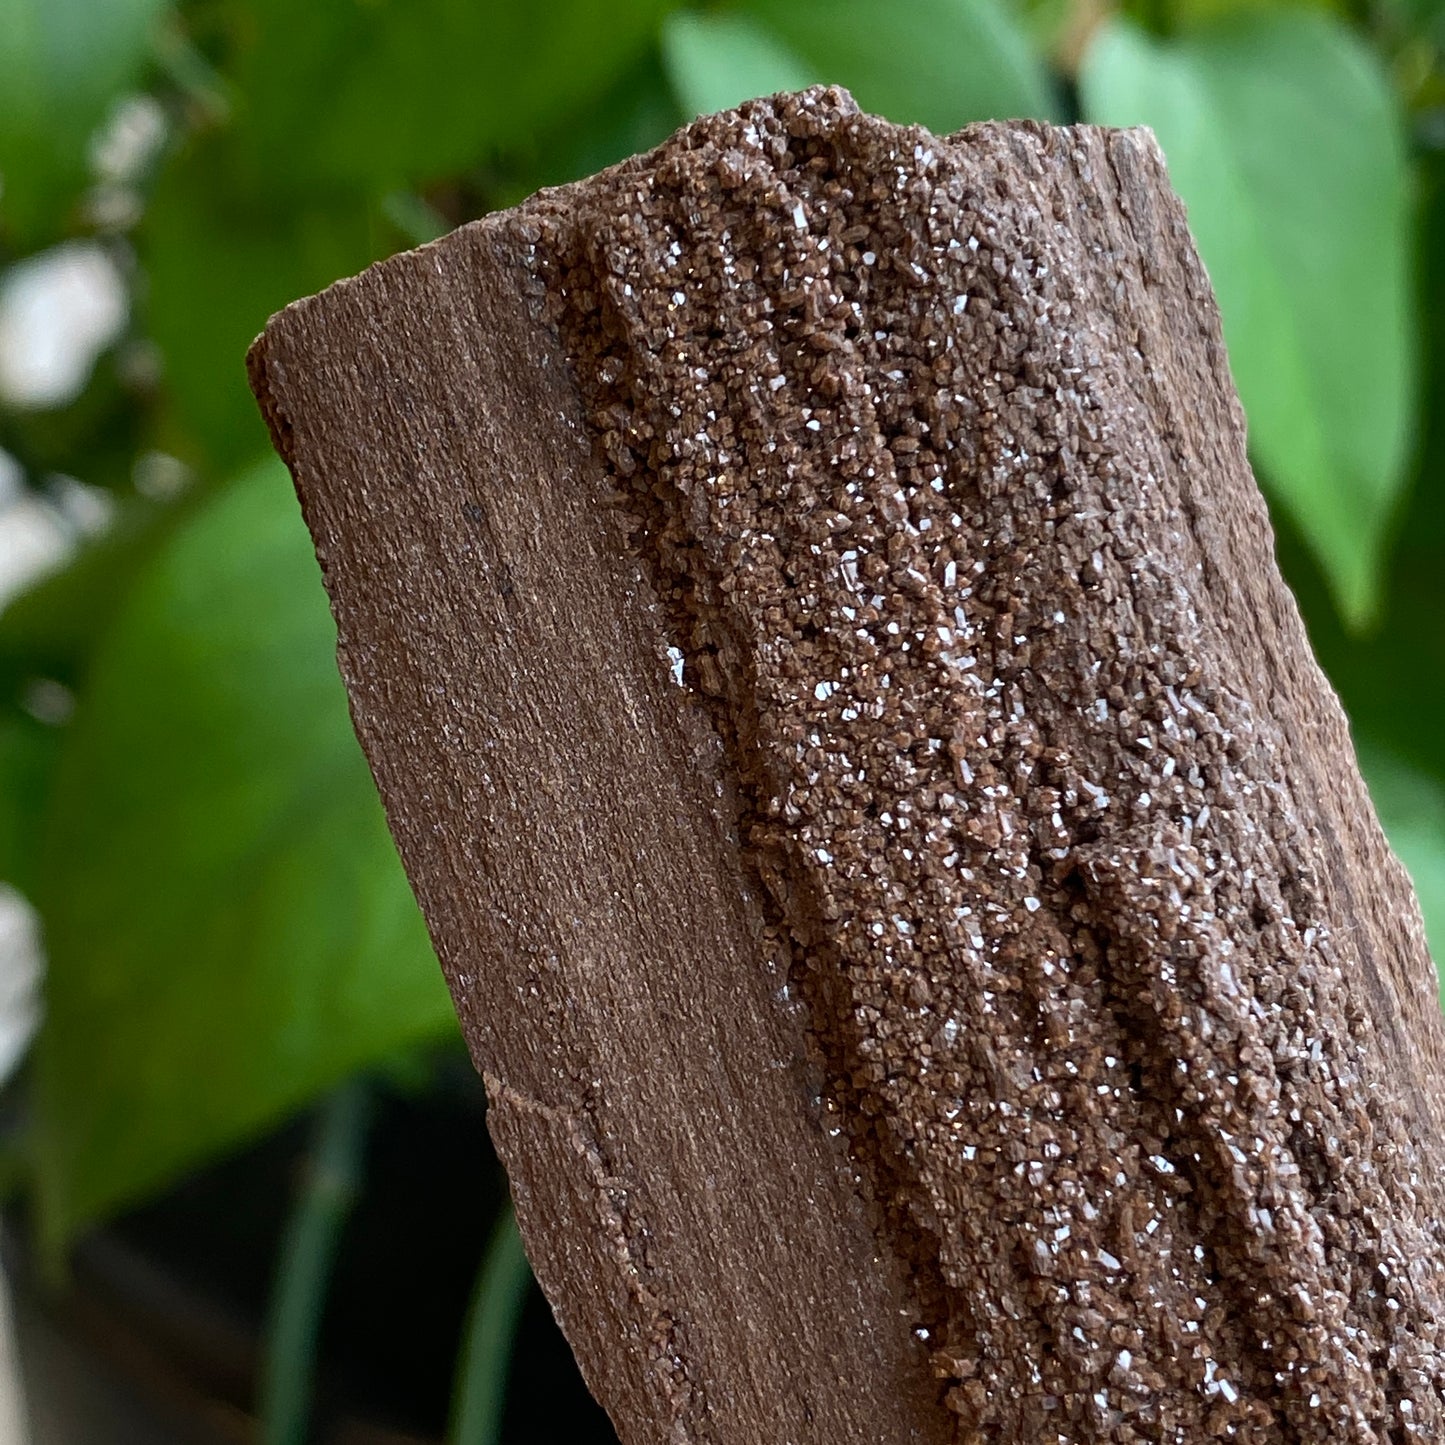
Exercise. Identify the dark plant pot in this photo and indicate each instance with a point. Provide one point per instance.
(157, 1338)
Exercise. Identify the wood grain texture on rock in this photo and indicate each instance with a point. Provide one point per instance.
(904, 879)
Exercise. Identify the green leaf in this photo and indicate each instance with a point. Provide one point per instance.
(1392, 681)
(1287, 146)
(62, 64)
(228, 927)
(394, 93)
(1412, 811)
(939, 63)
(716, 61)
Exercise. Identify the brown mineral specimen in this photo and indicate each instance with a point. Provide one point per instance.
(904, 879)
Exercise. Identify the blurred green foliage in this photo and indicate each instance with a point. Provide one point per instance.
(229, 933)
(62, 64)
(229, 927)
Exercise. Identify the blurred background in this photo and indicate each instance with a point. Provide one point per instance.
(247, 1190)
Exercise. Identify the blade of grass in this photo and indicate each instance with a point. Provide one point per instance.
(327, 1191)
(480, 1391)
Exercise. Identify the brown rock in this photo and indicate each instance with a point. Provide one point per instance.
(903, 877)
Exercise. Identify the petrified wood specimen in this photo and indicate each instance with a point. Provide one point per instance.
(907, 885)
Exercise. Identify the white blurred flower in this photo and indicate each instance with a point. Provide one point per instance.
(58, 311)
(160, 476)
(89, 510)
(129, 140)
(22, 966)
(35, 540)
(120, 154)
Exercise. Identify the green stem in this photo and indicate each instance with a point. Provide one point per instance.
(181, 61)
(328, 1188)
(417, 221)
(480, 1391)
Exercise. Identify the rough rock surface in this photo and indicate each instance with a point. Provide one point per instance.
(1114, 1013)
